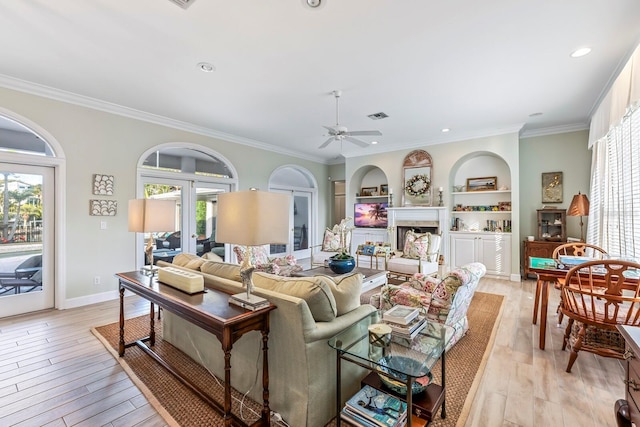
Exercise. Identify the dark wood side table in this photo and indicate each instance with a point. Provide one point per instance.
(211, 311)
(538, 249)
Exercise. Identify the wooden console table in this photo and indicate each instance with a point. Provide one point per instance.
(211, 311)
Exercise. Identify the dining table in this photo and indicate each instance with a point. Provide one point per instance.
(548, 271)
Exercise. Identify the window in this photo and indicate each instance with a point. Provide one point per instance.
(614, 217)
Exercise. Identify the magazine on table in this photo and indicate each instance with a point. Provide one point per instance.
(377, 407)
(401, 314)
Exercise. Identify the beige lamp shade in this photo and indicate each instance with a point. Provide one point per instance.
(579, 205)
(149, 215)
(253, 218)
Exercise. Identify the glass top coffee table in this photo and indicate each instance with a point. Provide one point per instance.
(405, 364)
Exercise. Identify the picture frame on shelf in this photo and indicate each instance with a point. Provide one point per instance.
(368, 191)
(552, 187)
(384, 189)
(486, 183)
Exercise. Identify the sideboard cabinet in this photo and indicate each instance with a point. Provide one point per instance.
(491, 249)
(538, 249)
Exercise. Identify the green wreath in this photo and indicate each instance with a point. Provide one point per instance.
(417, 185)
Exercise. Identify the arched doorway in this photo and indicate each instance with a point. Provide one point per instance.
(193, 176)
(31, 186)
(302, 186)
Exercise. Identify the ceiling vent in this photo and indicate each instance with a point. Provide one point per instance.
(183, 3)
(377, 116)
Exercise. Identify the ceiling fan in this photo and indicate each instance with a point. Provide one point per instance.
(339, 133)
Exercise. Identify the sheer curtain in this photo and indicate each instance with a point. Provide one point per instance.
(614, 217)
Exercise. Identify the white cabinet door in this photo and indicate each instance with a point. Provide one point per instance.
(463, 249)
(495, 253)
(491, 249)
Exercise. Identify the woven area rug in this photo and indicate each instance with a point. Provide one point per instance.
(179, 407)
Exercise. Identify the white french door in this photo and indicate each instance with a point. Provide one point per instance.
(26, 239)
(195, 215)
(300, 215)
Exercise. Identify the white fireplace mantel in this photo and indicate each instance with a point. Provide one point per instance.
(419, 214)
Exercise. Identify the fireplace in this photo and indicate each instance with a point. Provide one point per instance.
(419, 227)
(421, 219)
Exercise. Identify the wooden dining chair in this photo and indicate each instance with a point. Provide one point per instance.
(580, 249)
(597, 296)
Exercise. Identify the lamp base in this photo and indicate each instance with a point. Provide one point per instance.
(149, 270)
(250, 302)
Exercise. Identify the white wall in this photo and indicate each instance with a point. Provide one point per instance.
(100, 142)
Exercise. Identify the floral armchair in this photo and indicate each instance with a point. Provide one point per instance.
(442, 300)
(335, 240)
(281, 266)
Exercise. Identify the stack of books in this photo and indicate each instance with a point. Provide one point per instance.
(374, 408)
(405, 322)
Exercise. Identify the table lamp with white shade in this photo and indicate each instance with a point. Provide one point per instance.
(252, 218)
(151, 216)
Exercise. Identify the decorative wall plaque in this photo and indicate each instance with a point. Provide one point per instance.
(103, 207)
(103, 185)
(552, 187)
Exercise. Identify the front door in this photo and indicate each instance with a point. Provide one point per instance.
(26, 239)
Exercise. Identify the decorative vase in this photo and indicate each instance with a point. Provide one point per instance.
(342, 266)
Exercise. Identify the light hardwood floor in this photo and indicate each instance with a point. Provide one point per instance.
(54, 372)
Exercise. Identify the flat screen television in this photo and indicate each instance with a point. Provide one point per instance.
(370, 215)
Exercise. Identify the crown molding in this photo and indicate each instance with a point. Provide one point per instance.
(531, 133)
(108, 107)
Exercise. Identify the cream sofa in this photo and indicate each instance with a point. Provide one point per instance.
(302, 366)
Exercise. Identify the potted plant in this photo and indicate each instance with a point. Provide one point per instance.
(342, 262)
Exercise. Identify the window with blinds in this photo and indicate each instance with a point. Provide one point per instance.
(614, 217)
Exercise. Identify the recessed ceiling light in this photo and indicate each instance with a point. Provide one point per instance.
(581, 52)
(535, 114)
(446, 130)
(374, 142)
(206, 67)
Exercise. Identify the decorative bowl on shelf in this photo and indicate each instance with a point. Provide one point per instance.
(397, 382)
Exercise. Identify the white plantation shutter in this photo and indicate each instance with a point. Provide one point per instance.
(614, 217)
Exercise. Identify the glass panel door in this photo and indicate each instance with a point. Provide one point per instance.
(26, 239)
(299, 219)
(195, 218)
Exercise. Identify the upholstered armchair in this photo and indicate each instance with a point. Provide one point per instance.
(282, 266)
(419, 255)
(443, 300)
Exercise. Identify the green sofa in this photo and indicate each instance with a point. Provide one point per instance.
(302, 366)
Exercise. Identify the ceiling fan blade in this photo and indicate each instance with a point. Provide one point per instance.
(327, 142)
(356, 141)
(331, 130)
(364, 132)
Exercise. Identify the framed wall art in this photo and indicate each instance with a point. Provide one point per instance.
(384, 189)
(368, 191)
(103, 207)
(416, 174)
(103, 185)
(552, 187)
(487, 183)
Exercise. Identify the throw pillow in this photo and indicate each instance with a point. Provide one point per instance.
(222, 269)
(182, 259)
(195, 264)
(257, 254)
(331, 241)
(346, 290)
(416, 246)
(404, 295)
(210, 256)
(315, 292)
